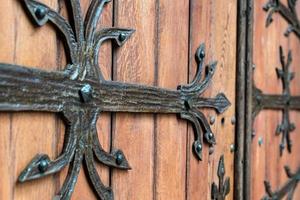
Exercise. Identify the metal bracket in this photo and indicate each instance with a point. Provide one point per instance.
(220, 193)
(288, 13)
(287, 189)
(284, 102)
(80, 93)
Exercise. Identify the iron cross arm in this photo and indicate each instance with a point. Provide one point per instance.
(273, 101)
(284, 102)
(80, 93)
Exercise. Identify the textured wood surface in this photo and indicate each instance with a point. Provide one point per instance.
(214, 22)
(160, 53)
(266, 161)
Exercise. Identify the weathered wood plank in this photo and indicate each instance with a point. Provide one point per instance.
(267, 164)
(135, 62)
(26, 133)
(214, 22)
(170, 136)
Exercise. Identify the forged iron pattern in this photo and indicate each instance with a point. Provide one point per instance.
(287, 189)
(220, 193)
(284, 102)
(80, 93)
(288, 13)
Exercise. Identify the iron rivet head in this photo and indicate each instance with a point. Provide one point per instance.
(40, 13)
(198, 147)
(212, 120)
(86, 93)
(210, 135)
(233, 120)
(119, 158)
(232, 148)
(43, 165)
(202, 54)
(253, 134)
(122, 37)
(260, 141)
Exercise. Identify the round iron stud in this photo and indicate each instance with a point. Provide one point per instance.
(43, 165)
(119, 158)
(40, 13)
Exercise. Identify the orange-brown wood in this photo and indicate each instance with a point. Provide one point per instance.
(267, 164)
(170, 134)
(134, 133)
(214, 22)
(23, 135)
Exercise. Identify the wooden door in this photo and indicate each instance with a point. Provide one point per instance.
(273, 146)
(157, 146)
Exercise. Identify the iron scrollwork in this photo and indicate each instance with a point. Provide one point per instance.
(284, 102)
(287, 189)
(80, 93)
(220, 193)
(288, 13)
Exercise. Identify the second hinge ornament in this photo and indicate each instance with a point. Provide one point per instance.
(284, 102)
(289, 13)
(81, 94)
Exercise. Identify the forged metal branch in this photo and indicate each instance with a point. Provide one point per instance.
(284, 102)
(287, 189)
(288, 13)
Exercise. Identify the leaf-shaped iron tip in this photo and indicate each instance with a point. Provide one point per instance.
(221, 167)
(121, 160)
(198, 147)
(35, 168)
(38, 11)
(124, 35)
(200, 53)
(224, 103)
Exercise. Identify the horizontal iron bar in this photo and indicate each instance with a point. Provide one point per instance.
(24, 89)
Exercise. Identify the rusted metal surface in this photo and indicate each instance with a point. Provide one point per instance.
(220, 192)
(284, 102)
(288, 13)
(287, 190)
(80, 94)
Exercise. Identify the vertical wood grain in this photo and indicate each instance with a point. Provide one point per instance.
(133, 133)
(267, 164)
(170, 139)
(25, 134)
(214, 22)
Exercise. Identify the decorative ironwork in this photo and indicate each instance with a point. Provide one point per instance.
(288, 13)
(220, 193)
(80, 94)
(284, 102)
(287, 189)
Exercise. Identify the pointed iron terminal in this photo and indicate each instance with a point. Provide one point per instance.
(86, 93)
(198, 149)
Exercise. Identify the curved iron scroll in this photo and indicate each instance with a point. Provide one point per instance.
(284, 102)
(287, 189)
(80, 93)
(288, 13)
